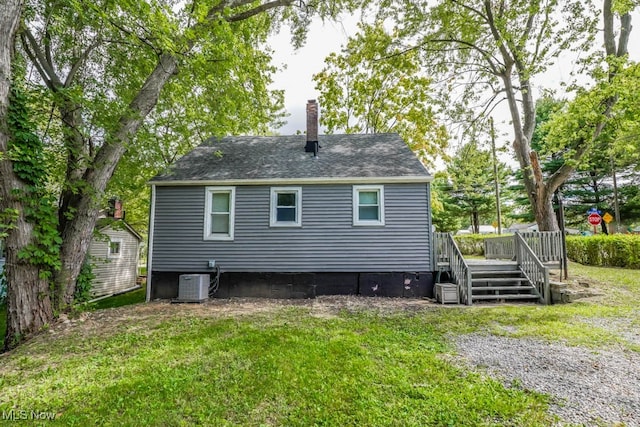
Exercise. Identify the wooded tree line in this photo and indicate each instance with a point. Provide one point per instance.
(98, 96)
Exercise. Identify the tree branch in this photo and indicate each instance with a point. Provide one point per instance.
(609, 37)
(38, 57)
(259, 9)
(34, 60)
(471, 9)
(79, 61)
(485, 54)
(625, 31)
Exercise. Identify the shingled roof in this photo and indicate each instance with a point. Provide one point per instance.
(254, 159)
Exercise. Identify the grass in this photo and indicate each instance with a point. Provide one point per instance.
(133, 297)
(282, 368)
(290, 367)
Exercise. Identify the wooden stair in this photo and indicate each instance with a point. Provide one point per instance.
(498, 281)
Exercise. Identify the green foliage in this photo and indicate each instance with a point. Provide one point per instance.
(26, 150)
(84, 283)
(471, 244)
(40, 207)
(372, 87)
(443, 208)
(469, 191)
(619, 250)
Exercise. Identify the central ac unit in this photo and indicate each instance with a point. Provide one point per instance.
(193, 287)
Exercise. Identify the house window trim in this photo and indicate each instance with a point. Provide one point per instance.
(273, 208)
(207, 213)
(111, 255)
(380, 222)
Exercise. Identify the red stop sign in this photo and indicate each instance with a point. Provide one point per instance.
(594, 219)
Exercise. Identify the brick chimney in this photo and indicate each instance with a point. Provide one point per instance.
(312, 127)
(115, 209)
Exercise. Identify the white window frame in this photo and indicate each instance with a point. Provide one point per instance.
(273, 217)
(209, 191)
(356, 211)
(119, 253)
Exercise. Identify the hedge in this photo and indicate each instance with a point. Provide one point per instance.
(473, 244)
(618, 250)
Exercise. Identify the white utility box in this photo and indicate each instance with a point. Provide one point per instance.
(447, 293)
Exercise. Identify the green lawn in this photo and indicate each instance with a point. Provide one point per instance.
(133, 297)
(190, 365)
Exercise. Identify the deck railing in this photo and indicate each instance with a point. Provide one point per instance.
(440, 248)
(533, 268)
(547, 245)
(460, 272)
(499, 248)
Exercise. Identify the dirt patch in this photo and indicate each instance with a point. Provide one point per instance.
(134, 317)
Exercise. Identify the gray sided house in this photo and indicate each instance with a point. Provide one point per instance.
(294, 216)
(114, 256)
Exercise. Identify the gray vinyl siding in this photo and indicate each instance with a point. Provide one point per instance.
(113, 275)
(327, 241)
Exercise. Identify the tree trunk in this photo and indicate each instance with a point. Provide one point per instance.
(475, 222)
(28, 303)
(545, 215)
(77, 229)
(28, 300)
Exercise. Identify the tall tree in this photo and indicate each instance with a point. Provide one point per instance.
(444, 208)
(29, 307)
(106, 65)
(369, 88)
(470, 191)
(498, 47)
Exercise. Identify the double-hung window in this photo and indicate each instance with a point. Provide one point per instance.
(115, 248)
(286, 203)
(368, 205)
(219, 213)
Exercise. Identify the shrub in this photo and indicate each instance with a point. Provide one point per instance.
(84, 284)
(618, 250)
(473, 244)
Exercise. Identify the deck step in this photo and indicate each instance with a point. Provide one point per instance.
(502, 288)
(498, 279)
(494, 272)
(510, 296)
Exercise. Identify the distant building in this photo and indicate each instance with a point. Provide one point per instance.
(114, 254)
(522, 227)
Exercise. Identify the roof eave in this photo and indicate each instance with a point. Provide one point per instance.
(411, 179)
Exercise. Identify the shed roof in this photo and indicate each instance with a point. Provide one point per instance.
(117, 224)
(249, 159)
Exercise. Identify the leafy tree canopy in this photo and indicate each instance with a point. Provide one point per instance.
(370, 87)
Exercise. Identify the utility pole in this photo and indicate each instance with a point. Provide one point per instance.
(495, 175)
(616, 206)
(564, 263)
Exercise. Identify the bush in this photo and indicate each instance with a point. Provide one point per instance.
(84, 284)
(472, 244)
(618, 250)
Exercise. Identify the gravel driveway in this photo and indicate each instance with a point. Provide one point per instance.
(589, 387)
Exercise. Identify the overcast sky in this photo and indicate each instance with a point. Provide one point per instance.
(328, 37)
(324, 38)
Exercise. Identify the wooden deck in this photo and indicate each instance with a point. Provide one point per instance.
(516, 267)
